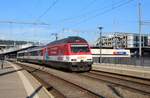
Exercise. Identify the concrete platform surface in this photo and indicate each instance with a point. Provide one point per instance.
(18, 83)
(130, 70)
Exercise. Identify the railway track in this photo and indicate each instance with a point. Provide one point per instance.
(59, 87)
(127, 82)
(93, 84)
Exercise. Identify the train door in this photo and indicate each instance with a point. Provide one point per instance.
(44, 53)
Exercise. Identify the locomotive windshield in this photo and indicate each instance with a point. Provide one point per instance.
(79, 48)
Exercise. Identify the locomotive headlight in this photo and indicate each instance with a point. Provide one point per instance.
(73, 59)
(81, 61)
(89, 59)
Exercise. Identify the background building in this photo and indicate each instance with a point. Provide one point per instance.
(124, 40)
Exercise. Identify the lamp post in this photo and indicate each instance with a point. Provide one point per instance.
(140, 43)
(100, 43)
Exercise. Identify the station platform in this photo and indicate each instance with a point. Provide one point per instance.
(130, 70)
(15, 82)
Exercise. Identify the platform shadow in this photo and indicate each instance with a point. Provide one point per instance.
(34, 70)
(7, 67)
(35, 92)
(9, 72)
(115, 91)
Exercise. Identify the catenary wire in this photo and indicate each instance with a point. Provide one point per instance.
(90, 12)
(48, 9)
(104, 12)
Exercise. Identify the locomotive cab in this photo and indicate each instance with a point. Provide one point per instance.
(80, 56)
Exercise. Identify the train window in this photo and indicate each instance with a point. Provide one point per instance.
(33, 53)
(79, 48)
(36, 53)
(29, 53)
(26, 54)
(21, 54)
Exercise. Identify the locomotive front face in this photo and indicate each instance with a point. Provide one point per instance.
(80, 53)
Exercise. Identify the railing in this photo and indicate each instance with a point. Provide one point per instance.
(143, 61)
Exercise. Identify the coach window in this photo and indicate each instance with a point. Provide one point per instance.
(26, 54)
(31, 53)
(36, 53)
(21, 54)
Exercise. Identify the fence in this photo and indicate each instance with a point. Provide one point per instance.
(143, 61)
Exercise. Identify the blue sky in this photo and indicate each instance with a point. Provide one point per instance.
(70, 18)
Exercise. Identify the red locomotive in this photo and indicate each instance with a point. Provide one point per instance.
(71, 53)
